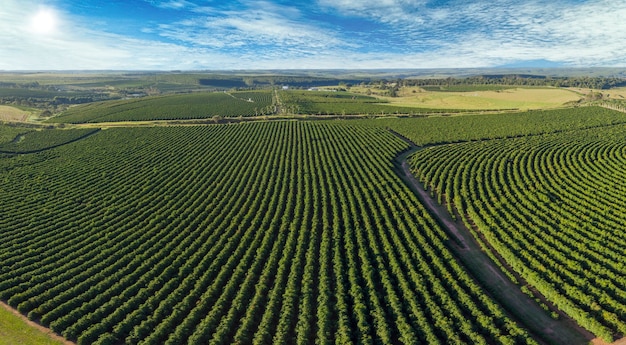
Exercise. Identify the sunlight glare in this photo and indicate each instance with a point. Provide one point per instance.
(44, 22)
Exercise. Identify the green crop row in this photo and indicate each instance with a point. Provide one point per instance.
(553, 207)
(252, 233)
(451, 129)
(38, 140)
(344, 103)
(172, 107)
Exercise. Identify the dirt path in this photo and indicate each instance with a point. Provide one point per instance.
(509, 295)
(278, 103)
(435, 209)
(36, 326)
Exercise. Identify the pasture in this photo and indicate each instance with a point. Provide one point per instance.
(12, 114)
(516, 98)
(17, 330)
(618, 93)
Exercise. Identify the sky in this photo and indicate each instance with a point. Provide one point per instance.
(311, 34)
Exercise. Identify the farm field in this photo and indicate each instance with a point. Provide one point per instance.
(15, 330)
(173, 107)
(345, 103)
(282, 232)
(38, 140)
(480, 99)
(450, 129)
(8, 113)
(289, 216)
(618, 93)
(552, 207)
(8, 134)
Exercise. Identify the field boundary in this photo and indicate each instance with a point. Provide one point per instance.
(617, 107)
(49, 147)
(47, 331)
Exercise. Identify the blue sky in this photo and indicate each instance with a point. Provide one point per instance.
(324, 34)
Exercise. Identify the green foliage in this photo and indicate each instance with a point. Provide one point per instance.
(172, 107)
(34, 141)
(8, 134)
(438, 130)
(32, 93)
(343, 103)
(468, 83)
(43, 97)
(553, 207)
(267, 81)
(300, 97)
(273, 232)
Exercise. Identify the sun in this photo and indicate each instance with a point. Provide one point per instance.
(44, 22)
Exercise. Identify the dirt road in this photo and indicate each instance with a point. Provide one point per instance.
(522, 308)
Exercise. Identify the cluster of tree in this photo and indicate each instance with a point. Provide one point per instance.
(250, 82)
(47, 100)
(619, 105)
(600, 83)
(33, 85)
(48, 106)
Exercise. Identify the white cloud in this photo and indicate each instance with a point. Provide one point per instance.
(260, 24)
(172, 4)
(488, 33)
(265, 35)
(374, 8)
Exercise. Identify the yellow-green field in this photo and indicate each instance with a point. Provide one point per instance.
(8, 113)
(616, 93)
(15, 330)
(514, 98)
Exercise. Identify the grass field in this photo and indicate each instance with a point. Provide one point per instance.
(513, 98)
(8, 113)
(616, 93)
(517, 98)
(15, 330)
(347, 103)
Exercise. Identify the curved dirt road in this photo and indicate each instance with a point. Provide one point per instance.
(523, 308)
